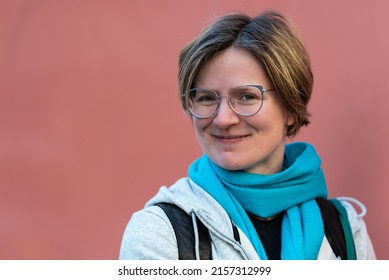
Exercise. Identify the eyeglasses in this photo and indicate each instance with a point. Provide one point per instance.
(244, 100)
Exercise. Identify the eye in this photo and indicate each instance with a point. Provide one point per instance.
(205, 98)
(248, 97)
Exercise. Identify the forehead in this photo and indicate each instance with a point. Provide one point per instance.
(231, 68)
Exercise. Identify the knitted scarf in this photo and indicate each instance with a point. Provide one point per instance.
(293, 190)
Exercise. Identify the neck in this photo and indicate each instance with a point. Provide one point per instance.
(267, 218)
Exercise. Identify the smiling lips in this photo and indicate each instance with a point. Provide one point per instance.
(230, 138)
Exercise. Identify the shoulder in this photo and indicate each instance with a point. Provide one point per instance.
(356, 211)
(149, 233)
(188, 196)
(149, 236)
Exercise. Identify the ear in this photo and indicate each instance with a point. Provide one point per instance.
(290, 119)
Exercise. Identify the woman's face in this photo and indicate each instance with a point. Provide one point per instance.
(255, 143)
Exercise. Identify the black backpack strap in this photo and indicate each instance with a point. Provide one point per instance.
(333, 228)
(348, 234)
(184, 231)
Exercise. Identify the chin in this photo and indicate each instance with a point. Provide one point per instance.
(232, 166)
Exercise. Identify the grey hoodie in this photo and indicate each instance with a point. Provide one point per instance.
(149, 234)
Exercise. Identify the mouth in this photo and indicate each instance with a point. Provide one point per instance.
(230, 138)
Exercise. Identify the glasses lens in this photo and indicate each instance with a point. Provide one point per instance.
(203, 103)
(246, 100)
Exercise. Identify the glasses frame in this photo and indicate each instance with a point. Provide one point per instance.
(219, 97)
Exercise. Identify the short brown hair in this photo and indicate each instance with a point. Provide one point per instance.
(272, 39)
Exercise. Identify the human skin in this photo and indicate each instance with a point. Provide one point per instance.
(251, 143)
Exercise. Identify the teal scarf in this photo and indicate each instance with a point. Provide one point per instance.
(292, 190)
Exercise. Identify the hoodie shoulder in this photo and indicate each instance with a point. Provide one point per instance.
(149, 236)
(363, 245)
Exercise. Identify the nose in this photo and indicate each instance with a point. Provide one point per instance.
(225, 116)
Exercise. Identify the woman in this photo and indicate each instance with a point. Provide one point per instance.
(246, 83)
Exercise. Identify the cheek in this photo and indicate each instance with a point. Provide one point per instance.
(199, 124)
(269, 123)
(202, 134)
(278, 115)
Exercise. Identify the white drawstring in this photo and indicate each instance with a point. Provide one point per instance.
(358, 203)
(196, 236)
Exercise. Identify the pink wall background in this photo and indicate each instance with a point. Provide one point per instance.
(91, 126)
